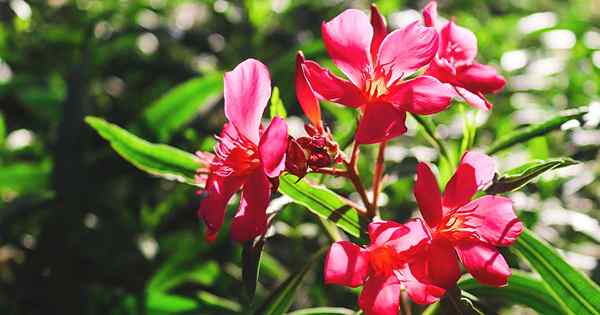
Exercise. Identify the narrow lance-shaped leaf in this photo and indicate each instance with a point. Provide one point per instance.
(527, 133)
(157, 159)
(324, 311)
(2, 129)
(250, 262)
(574, 291)
(522, 175)
(522, 289)
(281, 299)
(181, 104)
(277, 108)
(322, 202)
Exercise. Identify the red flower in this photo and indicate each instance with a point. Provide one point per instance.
(246, 156)
(463, 229)
(455, 62)
(383, 267)
(378, 66)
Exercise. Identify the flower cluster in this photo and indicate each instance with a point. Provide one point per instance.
(418, 69)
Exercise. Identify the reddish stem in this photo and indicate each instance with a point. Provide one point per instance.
(377, 178)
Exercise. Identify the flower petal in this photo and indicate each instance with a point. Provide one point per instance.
(251, 219)
(404, 238)
(346, 264)
(380, 122)
(495, 220)
(480, 78)
(380, 296)
(430, 14)
(476, 100)
(458, 44)
(423, 95)
(474, 171)
(415, 279)
(379, 29)
(212, 208)
(427, 193)
(331, 87)
(347, 38)
(442, 264)
(247, 91)
(484, 262)
(381, 231)
(305, 94)
(272, 147)
(405, 50)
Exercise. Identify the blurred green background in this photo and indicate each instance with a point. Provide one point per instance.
(84, 232)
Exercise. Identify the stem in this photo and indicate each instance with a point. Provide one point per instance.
(377, 178)
(360, 188)
(405, 303)
(433, 137)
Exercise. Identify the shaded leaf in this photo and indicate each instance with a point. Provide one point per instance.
(24, 177)
(527, 133)
(181, 104)
(2, 129)
(322, 202)
(324, 311)
(518, 177)
(281, 299)
(157, 159)
(573, 290)
(161, 303)
(250, 266)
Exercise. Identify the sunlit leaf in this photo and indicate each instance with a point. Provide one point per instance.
(157, 159)
(520, 176)
(522, 289)
(24, 177)
(277, 108)
(527, 133)
(161, 303)
(574, 291)
(181, 104)
(324, 203)
(2, 129)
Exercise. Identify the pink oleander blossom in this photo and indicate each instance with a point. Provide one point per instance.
(247, 156)
(464, 229)
(383, 267)
(379, 68)
(455, 62)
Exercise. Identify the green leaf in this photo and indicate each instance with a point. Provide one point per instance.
(250, 266)
(277, 108)
(281, 299)
(160, 303)
(24, 177)
(2, 130)
(157, 159)
(527, 133)
(209, 300)
(574, 291)
(522, 289)
(322, 202)
(324, 311)
(174, 273)
(522, 175)
(182, 103)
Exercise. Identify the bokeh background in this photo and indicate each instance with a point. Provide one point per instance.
(84, 232)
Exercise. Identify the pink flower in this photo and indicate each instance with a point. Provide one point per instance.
(455, 62)
(378, 66)
(383, 267)
(246, 156)
(462, 229)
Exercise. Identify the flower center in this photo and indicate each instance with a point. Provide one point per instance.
(459, 225)
(376, 87)
(235, 156)
(383, 260)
